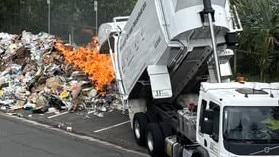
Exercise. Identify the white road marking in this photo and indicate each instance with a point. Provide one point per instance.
(113, 126)
(60, 114)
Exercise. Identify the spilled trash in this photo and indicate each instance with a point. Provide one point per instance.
(42, 74)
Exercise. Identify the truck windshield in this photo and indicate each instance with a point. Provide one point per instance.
(251, 124)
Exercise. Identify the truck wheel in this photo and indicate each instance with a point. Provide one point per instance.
(139, 126)
(200, 152)
(154, 140)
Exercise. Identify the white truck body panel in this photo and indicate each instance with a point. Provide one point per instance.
(175, 24)
(160, 81)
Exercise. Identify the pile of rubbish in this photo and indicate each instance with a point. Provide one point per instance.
(41, 74)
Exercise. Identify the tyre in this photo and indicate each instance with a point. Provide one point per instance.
(155, 140)
(139, 126)
(200, 152)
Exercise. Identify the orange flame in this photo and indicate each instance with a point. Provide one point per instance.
(89, 60)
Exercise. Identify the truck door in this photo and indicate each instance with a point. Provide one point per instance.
(213, 139)
(209, 127)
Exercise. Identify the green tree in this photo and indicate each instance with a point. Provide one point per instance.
(112, 8)
(260, 20)
(32, 15)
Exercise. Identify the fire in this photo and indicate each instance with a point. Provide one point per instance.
(89, 60)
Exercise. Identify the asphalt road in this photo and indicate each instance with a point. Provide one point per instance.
(114, 127)
(23, 138)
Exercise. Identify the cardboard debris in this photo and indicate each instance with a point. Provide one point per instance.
(18, 105)
(39, 73)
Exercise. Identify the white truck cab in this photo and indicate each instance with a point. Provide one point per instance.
(238, 119)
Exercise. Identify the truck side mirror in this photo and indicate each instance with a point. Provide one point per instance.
(207, 126)
(207, 122)
(209, 114)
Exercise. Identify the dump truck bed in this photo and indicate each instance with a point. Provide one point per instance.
(169, 33)
(174, 34)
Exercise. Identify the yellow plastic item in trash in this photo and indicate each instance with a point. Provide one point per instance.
(64, 94)
(1, 92)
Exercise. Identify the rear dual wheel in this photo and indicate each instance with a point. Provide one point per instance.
(151, 135)
(139, 126)
(155, 140)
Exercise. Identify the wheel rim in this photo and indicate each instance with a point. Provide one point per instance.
(150, 143)
(137, 129)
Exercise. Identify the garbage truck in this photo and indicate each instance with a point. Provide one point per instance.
(172, 64)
